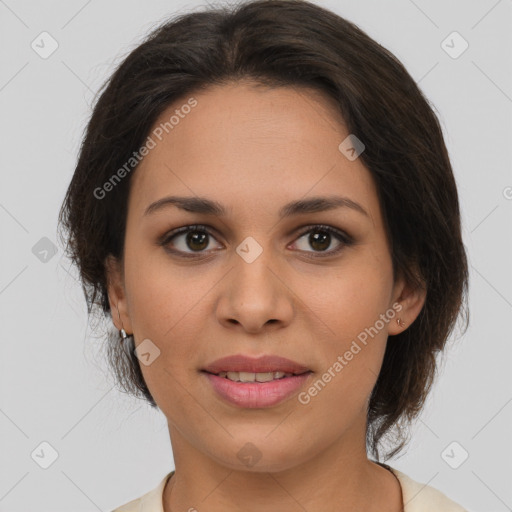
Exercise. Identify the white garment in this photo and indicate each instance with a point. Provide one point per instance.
(417, 497)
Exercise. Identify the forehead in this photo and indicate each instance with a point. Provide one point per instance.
(243, 144)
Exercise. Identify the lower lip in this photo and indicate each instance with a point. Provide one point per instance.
(257, 394)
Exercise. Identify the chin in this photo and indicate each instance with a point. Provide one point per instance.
(261, 455)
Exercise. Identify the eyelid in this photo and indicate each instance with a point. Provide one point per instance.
(330, 229)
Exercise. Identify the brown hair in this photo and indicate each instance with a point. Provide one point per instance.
(297, 44)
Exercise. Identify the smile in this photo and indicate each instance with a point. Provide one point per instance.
(256, 390)
(254, 377)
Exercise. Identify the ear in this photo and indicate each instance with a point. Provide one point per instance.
(411, 298)
(117, 294)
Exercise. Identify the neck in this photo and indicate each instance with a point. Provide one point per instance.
(339, 478)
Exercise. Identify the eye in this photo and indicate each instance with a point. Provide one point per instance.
(197, 238)
(192, 241)
(320, 238)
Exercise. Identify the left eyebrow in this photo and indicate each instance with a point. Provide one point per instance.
(302, 206)
(319, 204)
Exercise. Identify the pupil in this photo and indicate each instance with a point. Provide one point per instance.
(321, 239)
(197, 237)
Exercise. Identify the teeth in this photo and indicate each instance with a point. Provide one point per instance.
(254, 377)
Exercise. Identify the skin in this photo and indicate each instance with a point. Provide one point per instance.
(253, 149)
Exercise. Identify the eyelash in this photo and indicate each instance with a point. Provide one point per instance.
(342, 237)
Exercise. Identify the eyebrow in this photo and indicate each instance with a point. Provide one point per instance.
(301, 206)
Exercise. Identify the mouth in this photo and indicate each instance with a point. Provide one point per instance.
(256, 376)
(248, 382)
(242, 368)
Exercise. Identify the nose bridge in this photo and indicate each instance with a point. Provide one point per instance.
(253, 278)
(255, 294)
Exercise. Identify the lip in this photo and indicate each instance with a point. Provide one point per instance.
(254, 395)
(262, 364)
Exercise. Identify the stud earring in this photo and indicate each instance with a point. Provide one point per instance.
(400, 323)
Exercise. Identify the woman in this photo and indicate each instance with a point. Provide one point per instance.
(265, 208)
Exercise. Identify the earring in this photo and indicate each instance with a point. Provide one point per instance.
(126, 339)
(400, 323)
(126, 342)
(123, 334)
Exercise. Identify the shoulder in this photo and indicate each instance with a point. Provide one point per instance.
(149, 502)
(418, 497)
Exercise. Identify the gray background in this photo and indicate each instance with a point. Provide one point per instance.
(54, 386)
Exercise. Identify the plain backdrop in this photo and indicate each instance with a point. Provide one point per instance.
(57, 405)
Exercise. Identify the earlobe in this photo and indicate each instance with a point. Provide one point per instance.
(116, 294)
(411, 299)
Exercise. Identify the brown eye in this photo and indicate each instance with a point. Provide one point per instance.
(188, 240)
(320, 238)
(196, 240)
(320, 242)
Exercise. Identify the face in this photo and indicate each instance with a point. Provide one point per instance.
(313, 284)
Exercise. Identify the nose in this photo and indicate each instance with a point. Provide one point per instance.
(255, 296)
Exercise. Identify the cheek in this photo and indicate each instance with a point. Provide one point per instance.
(351, 298)
(166, 306)
(350, 307)
(160, 293)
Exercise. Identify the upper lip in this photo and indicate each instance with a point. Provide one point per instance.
(262, 364)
